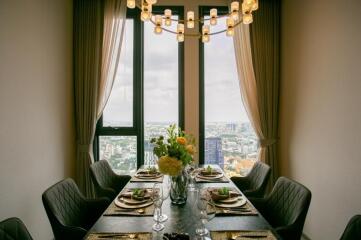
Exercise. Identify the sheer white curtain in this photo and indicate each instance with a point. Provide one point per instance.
(114, 24)
(247, 79)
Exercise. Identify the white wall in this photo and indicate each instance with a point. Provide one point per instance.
(36, 106)
(321, 108)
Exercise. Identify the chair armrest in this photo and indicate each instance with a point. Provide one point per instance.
(241, 182)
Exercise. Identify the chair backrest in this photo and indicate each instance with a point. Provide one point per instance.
(14, 229)
(101, 173)
(64, 205)
(353, 229)
(288, 204)
(258, 176)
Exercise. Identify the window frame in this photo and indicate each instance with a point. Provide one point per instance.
(137, 129)
(204, 10)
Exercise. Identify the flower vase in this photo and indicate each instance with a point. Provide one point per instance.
(178, 188)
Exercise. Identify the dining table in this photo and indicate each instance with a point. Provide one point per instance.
(180, 218)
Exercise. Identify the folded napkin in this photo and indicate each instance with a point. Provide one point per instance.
(240, 235)
(124, 236)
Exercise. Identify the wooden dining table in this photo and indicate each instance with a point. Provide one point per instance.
(180, 218)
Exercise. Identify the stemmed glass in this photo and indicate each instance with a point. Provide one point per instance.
(206, 211)
(157, 197)
(192, 173)
(166, 191)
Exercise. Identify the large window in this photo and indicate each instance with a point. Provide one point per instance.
(146, 97)
(227, 137)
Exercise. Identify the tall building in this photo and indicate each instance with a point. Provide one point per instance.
(213, 151)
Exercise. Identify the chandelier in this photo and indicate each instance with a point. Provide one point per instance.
(238, 13)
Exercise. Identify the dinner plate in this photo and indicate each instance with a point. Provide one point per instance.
(229, 200)
(148, 176)
(131, 201)
(122, 204)
(241, 201)
(210, 177)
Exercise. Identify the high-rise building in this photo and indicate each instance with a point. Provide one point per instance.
(213, 151)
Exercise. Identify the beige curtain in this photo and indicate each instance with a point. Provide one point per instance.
(88, 36)
(98, 29)
(257, 57)
(114, 25)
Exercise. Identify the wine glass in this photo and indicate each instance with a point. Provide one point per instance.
(192, 173)
(166, 191)
(157, 197)
(206, 211)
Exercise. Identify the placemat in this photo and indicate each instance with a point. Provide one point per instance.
(245, 210)
(135, 179)
(114, 210)
(223, 179)
(242, 235)
(124, 236)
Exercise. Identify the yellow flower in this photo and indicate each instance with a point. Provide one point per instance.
(170, 166)
(190, 149)
(182, 140)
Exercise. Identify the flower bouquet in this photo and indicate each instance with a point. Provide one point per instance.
(174, 154)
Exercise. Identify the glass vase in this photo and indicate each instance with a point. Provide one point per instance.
(178, 188)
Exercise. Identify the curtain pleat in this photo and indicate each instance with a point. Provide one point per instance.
(88, 36)
(265, 40)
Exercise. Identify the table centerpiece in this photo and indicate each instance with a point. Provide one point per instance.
(174, 154)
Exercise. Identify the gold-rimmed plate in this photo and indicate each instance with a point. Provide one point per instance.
(238, 203)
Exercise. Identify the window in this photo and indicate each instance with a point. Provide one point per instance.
(161, 93)
(227, 137)
(146, 97)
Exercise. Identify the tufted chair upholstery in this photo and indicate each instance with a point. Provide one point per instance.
(69, 213)
(353, 229)
(285, 208)
(254, 184)
(13, 229)
(106, 182)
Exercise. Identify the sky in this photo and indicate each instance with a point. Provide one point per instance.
(222, 95)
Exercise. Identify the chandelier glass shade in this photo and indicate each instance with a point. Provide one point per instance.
(239, 13)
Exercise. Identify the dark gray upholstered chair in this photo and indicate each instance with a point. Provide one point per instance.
(285, 208)
(70, 214)
(13, 229)
(353, 229)
(255, 183)
(106, 182)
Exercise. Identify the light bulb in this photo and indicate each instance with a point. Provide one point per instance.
(145, 16)
(158, 20)
(168, 16)
(247, 18)
(205, 29)
(180, 37)
(249, 2)
(131, 3)
(168, 22)
(255, 5)
(230, 32)
(190, 19)
(205, 38)
(246, 9)
(235, 10)
(213, 21)
(213, 15)
(230, 22)
(180, 28)
(151, 1)
(158, 30)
